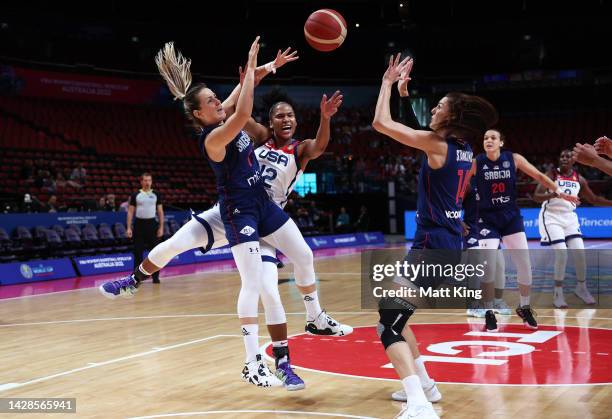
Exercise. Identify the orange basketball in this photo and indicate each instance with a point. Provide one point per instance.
(325, 30)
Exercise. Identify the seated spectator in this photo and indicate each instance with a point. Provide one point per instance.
(123, 207)
(343, 222)
(110, 205)
(79, 174)
(51, 205)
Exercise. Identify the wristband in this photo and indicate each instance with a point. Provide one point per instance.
(270, 68)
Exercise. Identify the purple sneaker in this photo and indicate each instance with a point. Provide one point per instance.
(125, 287)
(290, 379)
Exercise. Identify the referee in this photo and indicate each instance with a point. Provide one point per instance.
(147, 231)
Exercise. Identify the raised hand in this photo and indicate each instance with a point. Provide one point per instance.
(402, 85)
(252, 60)
(330, 106)
(283, 58)
(395, 68)
(603, 145)
(585, 154)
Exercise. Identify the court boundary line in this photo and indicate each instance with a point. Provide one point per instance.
(284, 412)
(204, 315)
(91, 365)
(270, 359)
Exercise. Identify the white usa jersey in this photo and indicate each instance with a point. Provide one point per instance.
(280, 169)
(569, 185)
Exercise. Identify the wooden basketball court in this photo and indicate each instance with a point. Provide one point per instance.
(175, 351)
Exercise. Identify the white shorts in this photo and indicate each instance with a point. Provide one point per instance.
(213, 224)
(558, 227)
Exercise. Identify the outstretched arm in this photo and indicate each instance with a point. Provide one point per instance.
(589, 195)
(313, 148)
(586, 154)
(219, 137)
(427, 141)
(530, 170)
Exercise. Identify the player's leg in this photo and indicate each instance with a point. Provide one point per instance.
(429, 385)
(488, 252)
(393, 316)
(499, 305)
(276, 320)
(204, 230)
(576, 246)
(248, 260)
(287, 238)
(517, 246)
(560, 263)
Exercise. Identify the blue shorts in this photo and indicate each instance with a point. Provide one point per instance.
(247, 220)
(436, 238)
(498, 224)
(434, 246)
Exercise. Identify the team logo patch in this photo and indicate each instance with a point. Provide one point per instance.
(247, 230)
(496, 167)
(472, 240)
(506, 164)
(464, 353)
(485, 167)
(484, 232)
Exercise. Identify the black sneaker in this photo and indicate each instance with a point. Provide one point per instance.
(490, 321)
(526, 313)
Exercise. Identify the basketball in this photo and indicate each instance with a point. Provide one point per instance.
(325, 30)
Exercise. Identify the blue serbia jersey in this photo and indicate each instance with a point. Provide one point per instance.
(496, 182)
(238, 174)
(440, 191)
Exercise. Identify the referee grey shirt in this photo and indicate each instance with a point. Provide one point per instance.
(146, 203)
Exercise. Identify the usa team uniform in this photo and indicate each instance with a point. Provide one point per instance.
(558, 221)
(498, 214)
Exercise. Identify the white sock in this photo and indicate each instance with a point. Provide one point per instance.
(558, 290)
(524, 300)
(311, 302)
(251, 341)
(415, 396)
(581, 285)
(426, 380)
(281, 344)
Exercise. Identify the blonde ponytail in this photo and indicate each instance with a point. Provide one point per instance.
(174, 68)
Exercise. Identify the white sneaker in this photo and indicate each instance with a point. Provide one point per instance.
(257, 373)
(476, 312)
(325, 325)
(501, 308)
(584, 294)
(432, 393)
(424, 411)
(559, 300)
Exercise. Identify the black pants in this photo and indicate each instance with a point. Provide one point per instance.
(145, 238)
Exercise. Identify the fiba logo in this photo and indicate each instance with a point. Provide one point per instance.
(26, 271)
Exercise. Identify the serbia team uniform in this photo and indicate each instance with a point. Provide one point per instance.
(279, 170)
(498, 214)
(558, 221)
(440, 196)
(246, 210)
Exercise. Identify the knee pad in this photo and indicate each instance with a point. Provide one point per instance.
(394, 313)
(275, 314)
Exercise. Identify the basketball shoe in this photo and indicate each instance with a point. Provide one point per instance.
(325, 325)
(424, 411)
(124, 287)
(257, 373)
(526, 313)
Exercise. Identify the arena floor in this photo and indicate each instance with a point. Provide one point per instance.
(175, 351)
